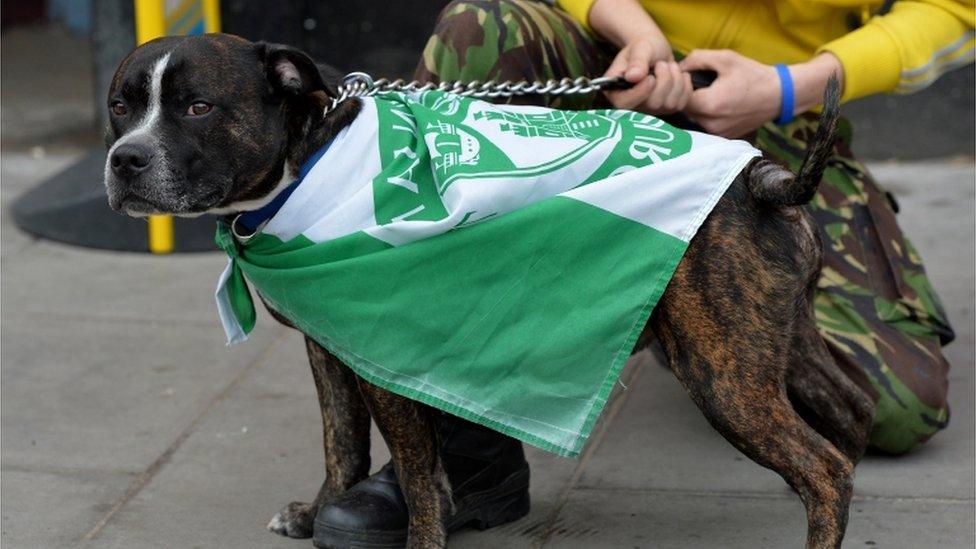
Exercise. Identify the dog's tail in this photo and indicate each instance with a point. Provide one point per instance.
(775, 185)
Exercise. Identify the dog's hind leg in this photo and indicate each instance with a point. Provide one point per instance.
(826, 397)
(745, 400)
(345, 429)
(410, 431)
(727, 322)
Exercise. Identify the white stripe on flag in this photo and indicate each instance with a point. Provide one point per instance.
(473, 199)
(232, 327)
(336, 197)
(673, 196)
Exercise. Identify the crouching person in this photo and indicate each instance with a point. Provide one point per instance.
(875, 307)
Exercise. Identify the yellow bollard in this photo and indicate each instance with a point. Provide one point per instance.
(150, 20)
(211, 15)
(155, 18)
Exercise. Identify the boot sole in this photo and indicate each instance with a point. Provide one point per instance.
(507, 502)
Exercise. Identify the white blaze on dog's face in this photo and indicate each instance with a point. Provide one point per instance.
(139, 148)
(200, 124)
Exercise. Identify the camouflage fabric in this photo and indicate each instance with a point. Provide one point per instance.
(875, 306)
(512, 40)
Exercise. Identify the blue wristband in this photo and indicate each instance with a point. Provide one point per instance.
(786, 85)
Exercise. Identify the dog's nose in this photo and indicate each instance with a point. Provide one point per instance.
(130, 158)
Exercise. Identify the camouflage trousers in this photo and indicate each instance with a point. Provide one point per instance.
(875, 307)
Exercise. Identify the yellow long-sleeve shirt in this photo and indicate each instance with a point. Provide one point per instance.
(901, 51)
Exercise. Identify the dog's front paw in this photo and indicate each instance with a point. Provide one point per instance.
(294, 521)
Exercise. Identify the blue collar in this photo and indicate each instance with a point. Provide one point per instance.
(253, 219)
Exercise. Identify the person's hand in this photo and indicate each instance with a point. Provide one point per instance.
(744, 95)
(665, 90)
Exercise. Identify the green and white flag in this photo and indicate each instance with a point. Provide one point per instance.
(495, 262)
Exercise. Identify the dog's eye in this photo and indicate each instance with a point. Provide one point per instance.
(118, 108)
(199, 109)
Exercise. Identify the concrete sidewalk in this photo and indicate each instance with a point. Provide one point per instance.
(127, 423)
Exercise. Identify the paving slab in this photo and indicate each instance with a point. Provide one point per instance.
(100, 394)
(258, 450)
(54, 507)
(102, 284)
(89, 406)
(618, 518)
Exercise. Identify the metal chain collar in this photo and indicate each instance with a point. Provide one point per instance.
(360, 84)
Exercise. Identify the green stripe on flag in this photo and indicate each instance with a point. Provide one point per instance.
(497, 263)
(463, 320)
(406, 188)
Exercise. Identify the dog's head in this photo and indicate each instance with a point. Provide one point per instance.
(203, 123)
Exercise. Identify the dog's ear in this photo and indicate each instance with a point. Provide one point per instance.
(291, 72)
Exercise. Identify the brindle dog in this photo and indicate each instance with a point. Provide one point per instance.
(218, 124)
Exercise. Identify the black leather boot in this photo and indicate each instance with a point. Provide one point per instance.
(489, 480)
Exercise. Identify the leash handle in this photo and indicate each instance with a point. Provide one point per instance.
(699, 79)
